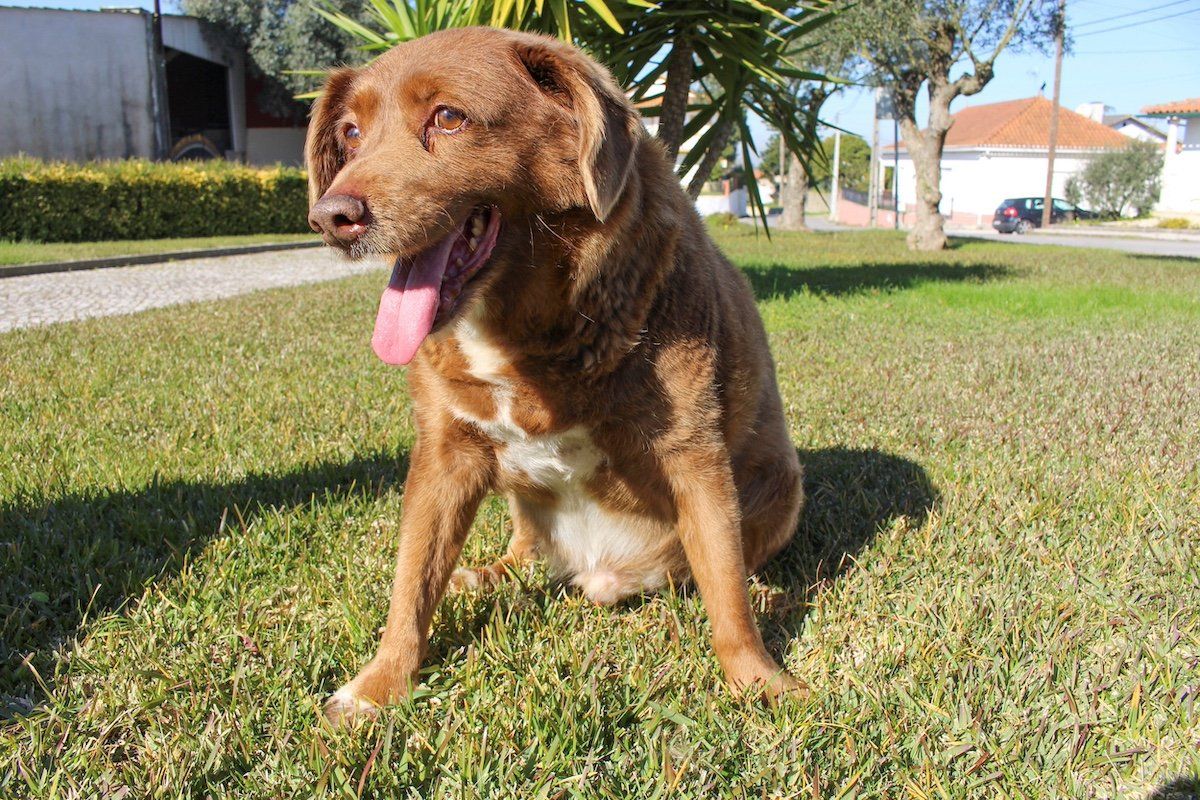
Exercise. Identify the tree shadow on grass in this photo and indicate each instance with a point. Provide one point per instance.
(1174, 260)
(779, 281)
(850, 496)
(84, 554)
(1183, 788)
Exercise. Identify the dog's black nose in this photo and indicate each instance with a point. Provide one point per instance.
(340, 218)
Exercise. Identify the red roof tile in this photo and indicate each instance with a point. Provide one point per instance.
(1026, 123)
(1189, 106)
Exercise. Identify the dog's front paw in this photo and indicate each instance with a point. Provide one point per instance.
(463, 580)
(767, 682)
(344, 708)
(380, 683)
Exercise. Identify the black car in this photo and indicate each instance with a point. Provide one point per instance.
(1021, 214)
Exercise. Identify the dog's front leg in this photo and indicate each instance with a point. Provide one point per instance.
(710, 529)
(444, 488)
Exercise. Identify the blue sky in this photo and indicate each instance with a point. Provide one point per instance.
(1127, 53)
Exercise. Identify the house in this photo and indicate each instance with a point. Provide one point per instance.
(1181, 161)
(1000, 150)
(1124, 124)
(89, 86)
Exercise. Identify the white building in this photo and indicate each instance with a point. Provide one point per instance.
(1000, 150)
(83, 85)
(1124, 124)
(1181, 162)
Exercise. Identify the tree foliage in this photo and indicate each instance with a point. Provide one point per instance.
(720, 61)
(1125, 180)
(282, 39)
(854, 155)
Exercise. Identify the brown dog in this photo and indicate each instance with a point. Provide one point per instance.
(577, 342)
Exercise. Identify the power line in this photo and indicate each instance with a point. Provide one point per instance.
(1139, 22)
(1132, 52)
(1149, 10)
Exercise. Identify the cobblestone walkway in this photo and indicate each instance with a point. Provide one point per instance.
(64, 296)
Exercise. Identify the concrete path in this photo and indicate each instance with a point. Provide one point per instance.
(62, 297)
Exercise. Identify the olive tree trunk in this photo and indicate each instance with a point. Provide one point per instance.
(925, 149)
(794, 197)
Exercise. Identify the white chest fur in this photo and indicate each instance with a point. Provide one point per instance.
(602, 552)
(562, 461)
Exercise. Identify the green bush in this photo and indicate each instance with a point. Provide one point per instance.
(60, 202)
(1120, 181)
(722, 219)
(1174, 224)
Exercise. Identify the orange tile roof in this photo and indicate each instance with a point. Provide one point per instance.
(1189, 107)
(1026, 123)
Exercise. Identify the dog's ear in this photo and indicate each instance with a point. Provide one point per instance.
(608, 126)
(323, 154)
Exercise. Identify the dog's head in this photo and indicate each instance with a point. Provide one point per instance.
(437, 151)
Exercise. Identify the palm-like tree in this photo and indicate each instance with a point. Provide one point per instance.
(714, 61)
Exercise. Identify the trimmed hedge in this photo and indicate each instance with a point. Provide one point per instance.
(61, 202)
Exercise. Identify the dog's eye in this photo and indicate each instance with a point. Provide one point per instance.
(351, 134)
(449, 119)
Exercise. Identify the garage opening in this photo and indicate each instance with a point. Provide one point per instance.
(198, 107)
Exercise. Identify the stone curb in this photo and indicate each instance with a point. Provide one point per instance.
(15, 270)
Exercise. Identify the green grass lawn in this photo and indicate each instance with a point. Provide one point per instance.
(994, 591)
(39, 252)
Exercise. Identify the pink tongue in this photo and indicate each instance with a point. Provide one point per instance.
(406, 312)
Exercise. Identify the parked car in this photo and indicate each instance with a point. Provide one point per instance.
(1022, 214)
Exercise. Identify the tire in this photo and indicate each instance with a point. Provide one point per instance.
(1024, 226)
(196, 147)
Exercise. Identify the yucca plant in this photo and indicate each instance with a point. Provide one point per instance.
(715, 62)
(718, 63)
(400, 20)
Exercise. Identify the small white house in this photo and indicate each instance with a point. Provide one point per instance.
(1000, 150)
(1181, 162)
(1124, 124)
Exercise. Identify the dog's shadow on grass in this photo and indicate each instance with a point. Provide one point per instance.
(850, 496)
(78, 556)
(84, 554)
(779, 281)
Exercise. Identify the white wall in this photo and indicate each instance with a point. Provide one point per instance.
(974, 182)
(266, 146)
(1181, 172)
(1135, 131)
(734, 203)
(76, 84)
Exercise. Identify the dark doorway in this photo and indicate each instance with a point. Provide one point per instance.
(198, 106)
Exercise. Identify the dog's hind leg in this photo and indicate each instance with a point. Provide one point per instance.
(522, 548)
(771, 502)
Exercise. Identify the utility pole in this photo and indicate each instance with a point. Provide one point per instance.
(834, 181)
(1060, 23)
(873, 187)
(895, 173)
(158, 86)
(783, 169)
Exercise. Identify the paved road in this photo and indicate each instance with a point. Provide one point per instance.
(32, 300)
(1144, 246)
